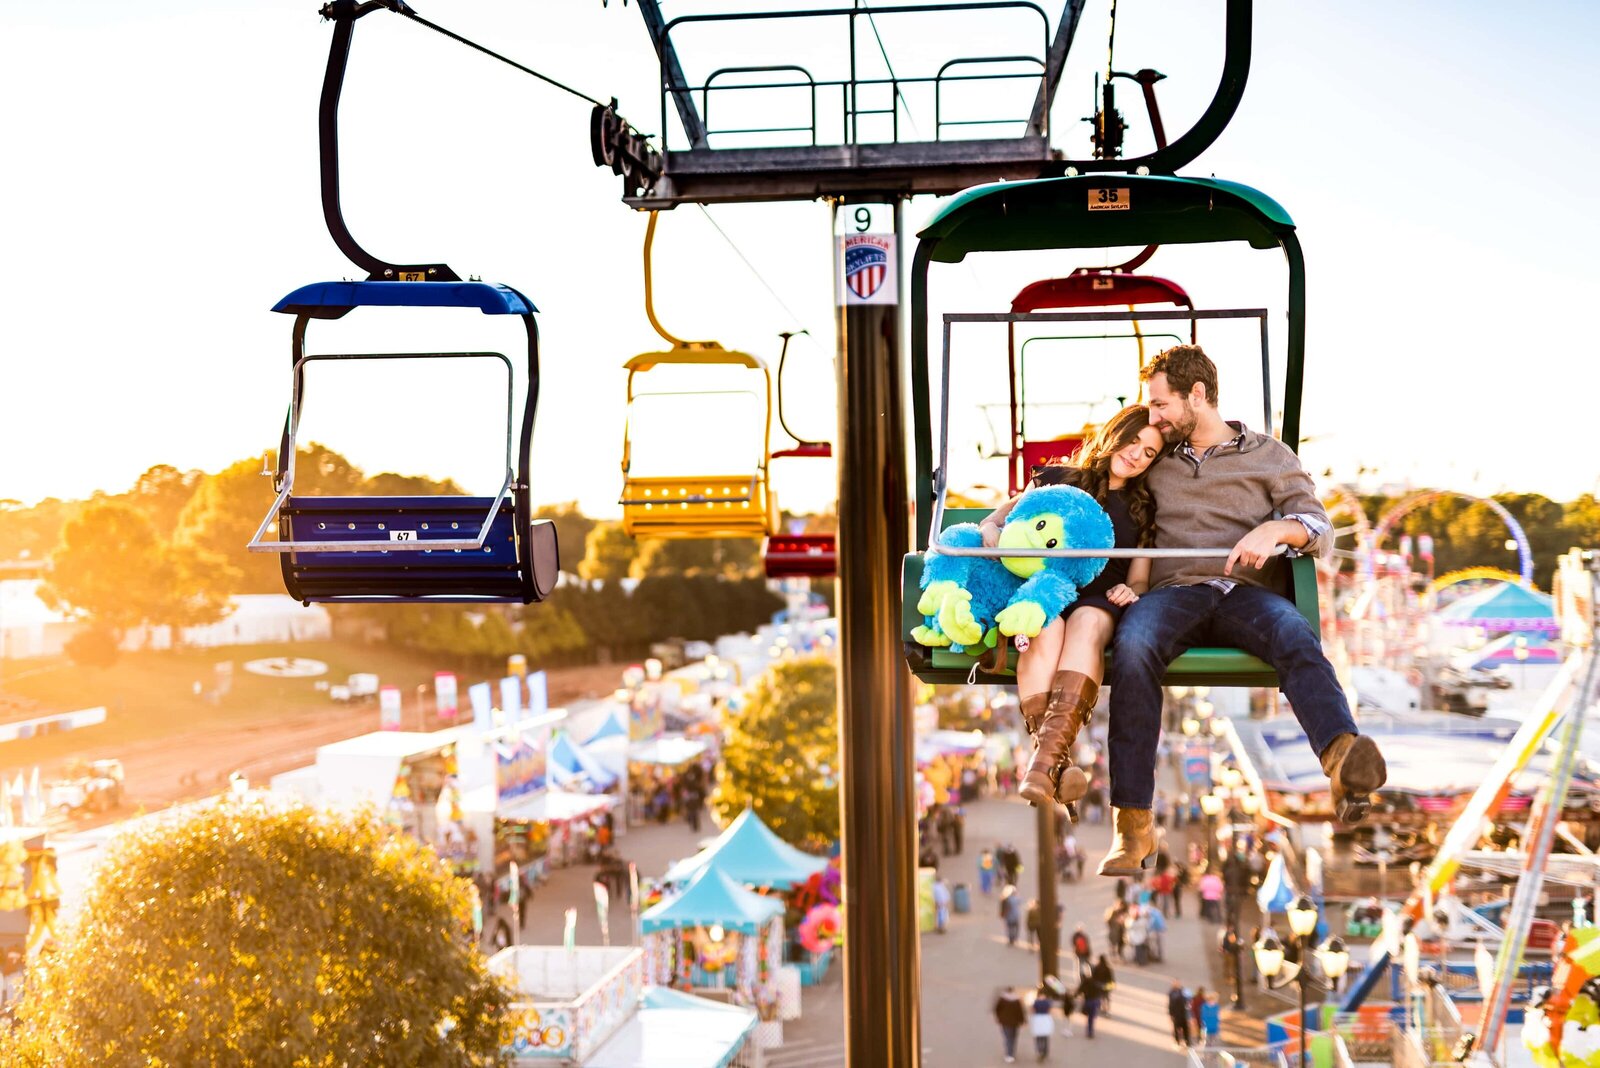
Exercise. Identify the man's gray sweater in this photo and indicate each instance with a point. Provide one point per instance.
(1223, 498)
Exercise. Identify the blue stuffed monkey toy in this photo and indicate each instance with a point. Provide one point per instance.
(969, 602)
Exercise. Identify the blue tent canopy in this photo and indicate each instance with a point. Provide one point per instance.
(712, 897)
(749, 852)
(613, 727)
(330, 300)
(1504, 607)
(570, 758)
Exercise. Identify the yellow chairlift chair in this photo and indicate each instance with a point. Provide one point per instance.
(722, 504)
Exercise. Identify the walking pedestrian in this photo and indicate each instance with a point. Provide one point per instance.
(1211, 1020)
(1009, 1015)
(1010, 862)
(1196, 1008)
(1180, 882)
(1178, 1013)
(1081, 949)
(1033, 922)
(1211, 890)
(1158, 932)
(1139, 936)
(1011, 913)
(1116, 928)
(1106, 980)
(1068, 1005)
(1091, 996)
(941, 905)
(986, 868)
(1232, 964)
(1041, 1023)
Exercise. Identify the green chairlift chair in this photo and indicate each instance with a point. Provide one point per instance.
(1093, 211)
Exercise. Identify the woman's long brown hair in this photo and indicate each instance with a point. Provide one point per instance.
(1090, 469)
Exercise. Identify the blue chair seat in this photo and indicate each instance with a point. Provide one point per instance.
(497, 572)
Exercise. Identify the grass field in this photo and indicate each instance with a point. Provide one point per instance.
(150, 695)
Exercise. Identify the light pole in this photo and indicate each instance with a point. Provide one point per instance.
(1270, 959)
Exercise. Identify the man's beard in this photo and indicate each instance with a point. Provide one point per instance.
(1179, 429)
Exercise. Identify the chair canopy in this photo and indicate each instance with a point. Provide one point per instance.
(749, 852)
(712, 897)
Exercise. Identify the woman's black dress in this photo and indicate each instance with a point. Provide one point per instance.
(1127, 537)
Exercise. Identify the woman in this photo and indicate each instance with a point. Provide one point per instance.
(1040, 1022)
(1058, 675)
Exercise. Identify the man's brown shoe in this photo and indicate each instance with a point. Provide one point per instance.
(1355, 768)
(1134, 846)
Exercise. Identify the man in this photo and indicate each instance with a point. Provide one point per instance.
(1178, 1013)
(1221, 485)
(1232, 965)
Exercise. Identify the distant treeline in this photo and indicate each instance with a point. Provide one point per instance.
(170, 551)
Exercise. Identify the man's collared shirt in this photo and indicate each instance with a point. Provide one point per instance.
(1316, 526)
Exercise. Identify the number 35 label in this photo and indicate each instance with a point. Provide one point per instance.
(1110, 200)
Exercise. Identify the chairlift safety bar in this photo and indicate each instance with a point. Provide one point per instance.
(940, 473)
(258, 544)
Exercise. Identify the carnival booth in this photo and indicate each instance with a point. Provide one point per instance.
(749, 852)
(566, 825)
(654, 768)
(572, 766)
(677, 1030)
(715, 934)
(589, 1006)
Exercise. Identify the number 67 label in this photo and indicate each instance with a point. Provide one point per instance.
(402, 535)
(1118, 199)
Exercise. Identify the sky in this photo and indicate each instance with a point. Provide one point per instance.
(158, 194)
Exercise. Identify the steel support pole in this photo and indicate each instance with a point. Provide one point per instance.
(878, 816)
(1049, 927)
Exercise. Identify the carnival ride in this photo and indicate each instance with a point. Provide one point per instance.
(1565, 703)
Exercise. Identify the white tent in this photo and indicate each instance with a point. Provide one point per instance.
(363, 770)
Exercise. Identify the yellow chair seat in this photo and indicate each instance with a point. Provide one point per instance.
(698, 506)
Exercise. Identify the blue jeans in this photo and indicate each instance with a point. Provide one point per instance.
(1009, 1036)
(1166, 622)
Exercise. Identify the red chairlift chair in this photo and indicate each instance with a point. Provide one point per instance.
(1085, 287)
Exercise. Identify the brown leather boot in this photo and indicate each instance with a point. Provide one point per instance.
(1134, 846)
(1356, 768)
(1050, 775)
(1034, 709)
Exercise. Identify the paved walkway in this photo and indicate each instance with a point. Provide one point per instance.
(962, 969)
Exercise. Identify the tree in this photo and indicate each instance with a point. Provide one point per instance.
(161, 493)
(111, 567)
(608, 553)
(729, 557)
(778, 747)
(248, 933)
